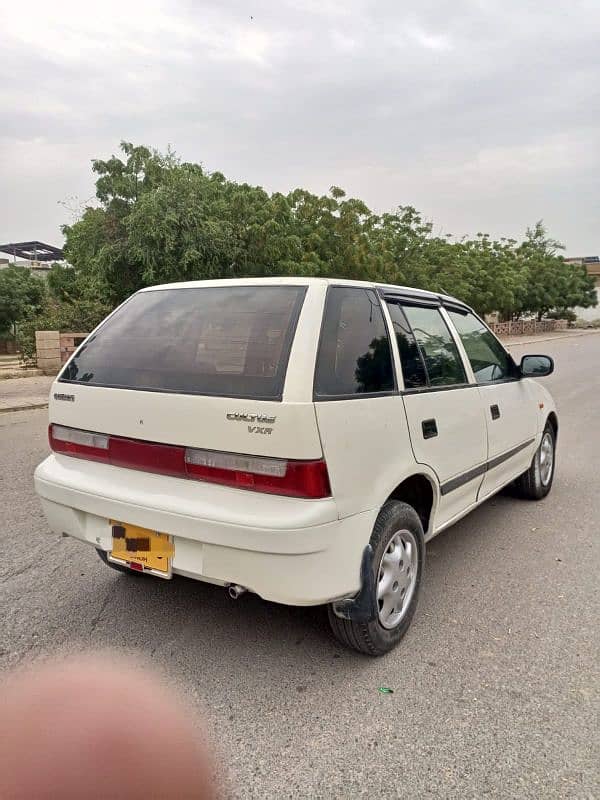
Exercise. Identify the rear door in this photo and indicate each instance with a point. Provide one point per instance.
(359, 409)
(444, 411)
(509, 408)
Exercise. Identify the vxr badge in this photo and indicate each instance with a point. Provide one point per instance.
(264, 419)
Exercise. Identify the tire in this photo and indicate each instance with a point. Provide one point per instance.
(117, 567)
(398, 527)
(537, 481)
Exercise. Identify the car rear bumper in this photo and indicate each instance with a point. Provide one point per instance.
(286, 550)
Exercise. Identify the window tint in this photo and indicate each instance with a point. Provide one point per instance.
(442, 360)
(413, 368)
(354, 352)
(232, 341)
(489, 360)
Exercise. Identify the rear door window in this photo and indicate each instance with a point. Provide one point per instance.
(231, 341)
(413, 366)
(354, 352)
(442, 360)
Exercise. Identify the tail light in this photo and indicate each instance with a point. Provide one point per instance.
(83, 444)
(277, 476)
(292, 478)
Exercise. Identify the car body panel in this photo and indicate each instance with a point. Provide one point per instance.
(459, 418)
(254, 427)
(286, 550)
(512, 428)
(364, 475)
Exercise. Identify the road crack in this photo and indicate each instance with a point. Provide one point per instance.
(98, 616)
(20, 571)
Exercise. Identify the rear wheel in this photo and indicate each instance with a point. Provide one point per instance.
(537, 481)
(398, 554)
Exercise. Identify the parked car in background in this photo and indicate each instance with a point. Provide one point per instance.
(298, 438)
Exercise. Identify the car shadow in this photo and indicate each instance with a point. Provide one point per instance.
(181, 613)
(189, 627)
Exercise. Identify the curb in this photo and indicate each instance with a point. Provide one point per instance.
(506, 340)
(30, 407)
(11, 375)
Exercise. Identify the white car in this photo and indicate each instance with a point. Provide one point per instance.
(297, 438)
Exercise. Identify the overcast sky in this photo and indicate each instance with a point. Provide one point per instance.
(484, 114)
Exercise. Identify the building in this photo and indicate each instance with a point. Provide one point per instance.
(36, 256)
(592, 265)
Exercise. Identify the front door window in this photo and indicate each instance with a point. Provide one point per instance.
(489, 360)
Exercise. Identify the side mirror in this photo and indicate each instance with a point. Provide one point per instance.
(536, 366)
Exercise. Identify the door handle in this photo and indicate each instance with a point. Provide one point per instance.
(429, 427)
(495, 411)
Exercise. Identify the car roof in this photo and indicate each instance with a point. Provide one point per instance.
(284, 280)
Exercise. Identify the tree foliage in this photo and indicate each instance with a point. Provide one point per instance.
(159, 219)
(70, 302)
(550, 283)
(21, 296)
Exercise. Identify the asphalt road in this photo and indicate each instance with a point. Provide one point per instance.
(496, 686)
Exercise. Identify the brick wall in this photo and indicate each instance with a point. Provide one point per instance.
(69, 342)
(53, 349)
(522, 327)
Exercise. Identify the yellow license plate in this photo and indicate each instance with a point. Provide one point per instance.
(142, 549)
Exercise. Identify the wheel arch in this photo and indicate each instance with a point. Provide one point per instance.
(553, 420)
(421, 492)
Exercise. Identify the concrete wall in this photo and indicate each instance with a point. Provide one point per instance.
(590, 314)
(47, 347)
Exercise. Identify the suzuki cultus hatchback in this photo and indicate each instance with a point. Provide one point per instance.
(297, 438)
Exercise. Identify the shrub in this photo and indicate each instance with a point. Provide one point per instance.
(82, 316)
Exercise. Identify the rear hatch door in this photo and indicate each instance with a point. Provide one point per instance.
(200, 367)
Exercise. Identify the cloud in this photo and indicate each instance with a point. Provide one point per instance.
(484, 114)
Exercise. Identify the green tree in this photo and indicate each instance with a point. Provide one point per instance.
(21, 296)
(402, 246)
(175, 233)
(551, 284)
(72, 302)
(333, 234)
(61, 282)
(98, 244)
(493, 273)
(159, 220)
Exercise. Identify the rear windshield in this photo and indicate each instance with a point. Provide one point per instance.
(230, 341)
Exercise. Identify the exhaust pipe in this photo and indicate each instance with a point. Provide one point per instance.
(235, 591)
